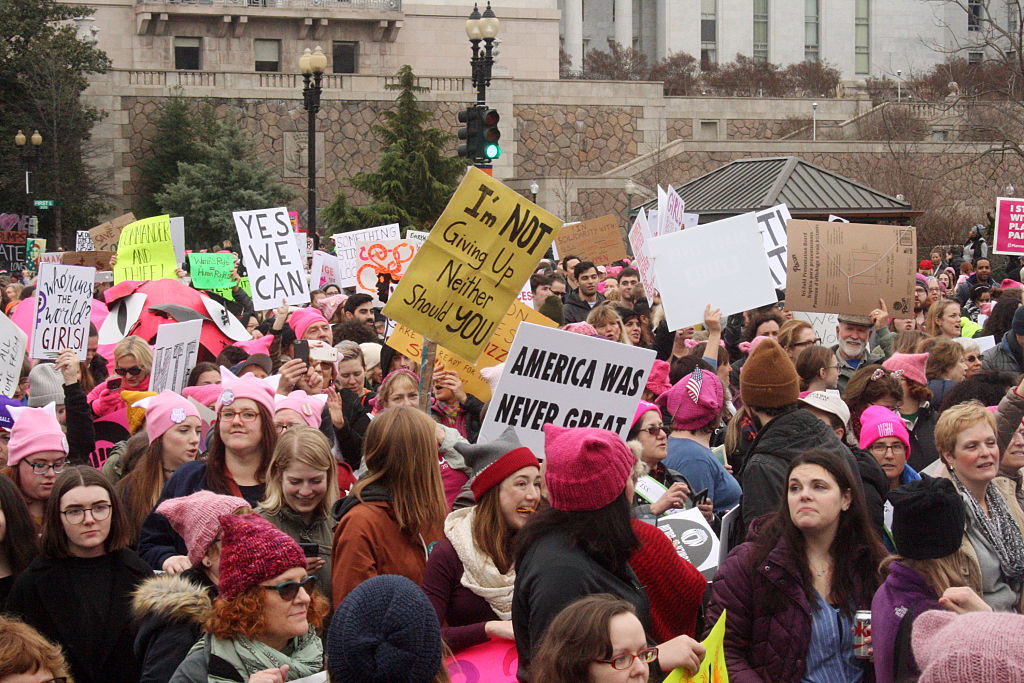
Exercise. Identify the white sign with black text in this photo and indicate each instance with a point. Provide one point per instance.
(276, 270)
(346, 246)
(175, 354)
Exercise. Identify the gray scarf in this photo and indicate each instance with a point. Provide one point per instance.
(999, 529)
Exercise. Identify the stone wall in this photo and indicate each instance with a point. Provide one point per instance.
(579, 139)
(679, 129)
(760, 129)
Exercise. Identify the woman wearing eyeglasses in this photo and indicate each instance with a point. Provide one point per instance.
(818, 368)
(795, 336)
(242, 441)
(884, 434)
(263, 625)
(77, 592)
(36, 454)
(972, 356)
(133, 360)
(651, 435)
(28, 657)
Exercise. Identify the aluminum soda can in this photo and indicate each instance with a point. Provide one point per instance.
(861, 630)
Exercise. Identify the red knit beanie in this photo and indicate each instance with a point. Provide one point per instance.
(587, 468)
(252, 551)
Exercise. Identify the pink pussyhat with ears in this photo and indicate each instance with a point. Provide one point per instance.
(35, 430)
(165, 410)
(309, 408)
(247, 386)
(301, 319)
(260, 345)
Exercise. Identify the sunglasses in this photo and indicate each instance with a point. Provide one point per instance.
(128, 371)
(289, 589)
(654, 430)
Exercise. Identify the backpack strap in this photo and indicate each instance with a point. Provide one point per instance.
(903, 661)
(218, 666)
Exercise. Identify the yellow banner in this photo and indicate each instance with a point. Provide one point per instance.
(145, 251)
(480, 253)
(410, 344)
(712, 669)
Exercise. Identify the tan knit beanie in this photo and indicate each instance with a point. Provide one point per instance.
(768, 378)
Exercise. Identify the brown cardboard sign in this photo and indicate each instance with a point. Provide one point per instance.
(848, 267)
(100, 260)
(598, 240)
(105, 235)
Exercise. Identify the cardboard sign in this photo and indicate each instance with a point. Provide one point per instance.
(12, 353)
(106, 235)
(346, 246)
(722, 263)
(83, 241)
(598, 240)
(382, 263)
(773, 231)
(848, 267)
(638, 240)
(49, 257)
(175, 354)
(211, 271)
(100, 260)
(145, 251)
(63, 307)
(670, 211)
(1009, 230)
(495, 661)
(12, 251)
(712, 668)
(271, 258)
(483, 248)
(825, 325)
(324, 270)
(410, 344)
(567, 379)
(693, 539)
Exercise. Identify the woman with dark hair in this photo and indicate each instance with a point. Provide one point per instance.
(812, 565)
(582, 544)
(818, 368)
(946, 366)
(77, 592)
(871, 385)
(1000, 320)
(988, 388)
(204, 373)
(763, 324)
(36, 454)
(18, 546)
(241, 443)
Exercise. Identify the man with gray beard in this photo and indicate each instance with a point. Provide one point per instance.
(852, 349)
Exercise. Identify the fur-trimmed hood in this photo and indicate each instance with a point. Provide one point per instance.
(174, 598)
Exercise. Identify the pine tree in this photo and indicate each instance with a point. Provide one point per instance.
(231, 178)
(415, 177)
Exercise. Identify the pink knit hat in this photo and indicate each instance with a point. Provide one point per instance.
(35, 430)
(912, 365)
(658, 381)
(877, 422)
(196, 518)
(247, 386)
(206, 394)
(1009, 284)
(586, 329)
(694, 400)
(301, 319)
(329, 304)
(309, 408)
(260, 345)
(977, 646)
(252, 551)
(587, 468)
(644, 407)
(165, 410)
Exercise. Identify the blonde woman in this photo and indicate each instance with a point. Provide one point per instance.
(943, 319)
(302, 486)
(133, 361)
(608, 323)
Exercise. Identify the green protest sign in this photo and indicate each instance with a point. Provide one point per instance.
(227, 291)
(211, 271)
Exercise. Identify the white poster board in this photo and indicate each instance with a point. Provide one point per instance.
(526, 295)
(271, 258)
(12, 353)
(567, 379)
(417, 237)
(63, 307)
(323, 270)
(83, 241)
(346, 246)
(178, 239)
(175, 354)
(639, 238)
(670, 211)
(825, 325)
(722, 263)
(772, 223)
(693, 539)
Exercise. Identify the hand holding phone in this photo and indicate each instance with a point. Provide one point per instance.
(301, 347)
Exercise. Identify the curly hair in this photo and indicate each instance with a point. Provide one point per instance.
(864, 389)
(244, 614)
(23, 650)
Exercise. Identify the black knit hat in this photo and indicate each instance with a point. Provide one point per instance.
(928, 519)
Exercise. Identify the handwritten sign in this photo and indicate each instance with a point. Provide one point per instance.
(106, 235)
(12, 251)
(145, 251)
(772, 223)
(712, 668)
(638, 240)
(211, 271)
(63, 307)
(12, 353)
(83, 241)
(671, 211)
(825, 325)
(382, 263)
(323, 270)
(100, 260)
(271, 258)
(346, 246)
(1009, 229)
(598, 240)
(175, 354)
(481, 251)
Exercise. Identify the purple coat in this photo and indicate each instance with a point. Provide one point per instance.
(904, 590)
(768, 627)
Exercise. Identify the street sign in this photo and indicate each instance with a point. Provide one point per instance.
(43, 203)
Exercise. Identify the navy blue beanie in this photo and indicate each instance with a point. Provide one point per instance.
(384, 631)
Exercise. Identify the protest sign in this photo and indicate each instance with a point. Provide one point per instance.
(12, 353)
(323, 270)
(848, 267)
(106, 235)
(417, 237)
(12, 251)
(638, 239)
(228, 292)
(832, 218)
(693, 538)
(712, 668)
(1009, 229)
(145, 251)
(652, 223)
(772, 223)
(175, 354)
(567, 379)
(598, 240)
(722, 263)
(83, 241)
(382, 263)
(300, 244)
(984, 343)
(493, 661)
(483, 247)
(346, 247)
(34, 250)
(211, 271)
(825, 325)
(49, 257)
(177, 224)
(100, 260)
(271, 258)
(670, 211)
(526, 295)
(63, 307)
(691, 220)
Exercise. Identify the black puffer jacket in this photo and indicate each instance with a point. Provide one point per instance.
(576, 310)
(170, 611)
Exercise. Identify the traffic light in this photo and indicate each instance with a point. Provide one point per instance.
(489, 134)
(469, 132)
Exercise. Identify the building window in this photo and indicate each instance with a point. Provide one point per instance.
(812, 13)
(346, 57)
(268, 54)
(186, 53)
(761, 31)
(862, 37)
(708, 33)
(708, 130)
(974, 11)
(975, 57)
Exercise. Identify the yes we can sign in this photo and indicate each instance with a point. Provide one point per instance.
(276, 270)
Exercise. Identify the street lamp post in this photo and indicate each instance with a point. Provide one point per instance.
(29, 157)
(482, 27)
(312, 65)
(534, 189)
(630, 189)
(814, 121)
(899, 85)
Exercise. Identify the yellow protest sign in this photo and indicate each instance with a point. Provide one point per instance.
(712, 669)
(145, 251)
(481, 251)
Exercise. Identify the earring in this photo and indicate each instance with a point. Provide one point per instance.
(207, 563)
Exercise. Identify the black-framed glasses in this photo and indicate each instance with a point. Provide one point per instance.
(123, 372)
(99, 512)
(41, 468)
(653, 430)
(807, 343)
(289, 589)
(623, 662)
(880, 449)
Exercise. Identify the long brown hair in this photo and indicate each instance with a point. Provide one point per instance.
(55, 539)
(140, 489)
(491, 533)
(576, 637)
(400, 452)
(216, 467)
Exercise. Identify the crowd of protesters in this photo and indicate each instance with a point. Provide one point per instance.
(291, 513)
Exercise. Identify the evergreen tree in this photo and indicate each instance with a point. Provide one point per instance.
(230, 178)
(415, 177)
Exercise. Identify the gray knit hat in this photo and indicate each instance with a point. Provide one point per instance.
(45, 385)
(492, 462)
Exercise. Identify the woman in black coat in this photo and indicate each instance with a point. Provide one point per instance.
(78, 591)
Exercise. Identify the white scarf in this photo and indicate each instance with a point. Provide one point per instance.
(480, 574)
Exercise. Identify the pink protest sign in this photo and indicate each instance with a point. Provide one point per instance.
(1009, 232)
(495, 661)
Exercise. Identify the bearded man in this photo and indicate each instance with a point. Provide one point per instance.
(852, 349)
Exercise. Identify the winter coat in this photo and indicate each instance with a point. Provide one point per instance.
(576, 309)
(1004, 356)
(963, 290)
(170, 611)
(922, 438)
(321, 532)
(867, 357)
(674, 586)
(80, 431)
(940, 388)
(905, 593)
(767, 637)
(45, 597)
(469, 420)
